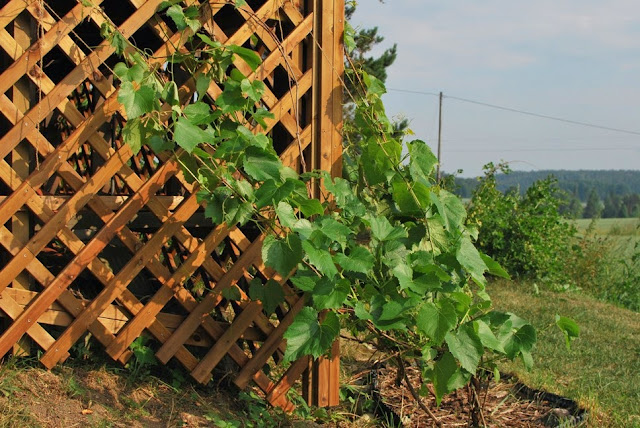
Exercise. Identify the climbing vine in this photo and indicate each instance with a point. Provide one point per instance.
(386, 256)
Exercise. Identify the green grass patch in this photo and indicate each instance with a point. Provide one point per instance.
(610, 226)
(601, 369)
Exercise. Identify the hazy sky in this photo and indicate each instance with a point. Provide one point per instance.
(573, 59)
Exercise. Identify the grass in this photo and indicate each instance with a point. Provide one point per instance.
(610, 226)
(601, 371)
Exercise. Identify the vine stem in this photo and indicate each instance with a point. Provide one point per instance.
(415, 395)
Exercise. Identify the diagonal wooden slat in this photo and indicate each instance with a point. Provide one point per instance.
(299, 112)
(73, 79)
(85, 256)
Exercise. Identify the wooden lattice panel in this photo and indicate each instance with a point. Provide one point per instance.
(95, 239)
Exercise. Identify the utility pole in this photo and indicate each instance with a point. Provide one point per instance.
(439, 137)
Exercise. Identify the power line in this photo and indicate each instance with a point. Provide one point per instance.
(556, 149)
(528, 113)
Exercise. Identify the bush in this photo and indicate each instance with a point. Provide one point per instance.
(526, 233)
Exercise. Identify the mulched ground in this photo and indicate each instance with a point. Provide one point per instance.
(504, 405)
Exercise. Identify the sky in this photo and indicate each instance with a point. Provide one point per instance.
(572, 59)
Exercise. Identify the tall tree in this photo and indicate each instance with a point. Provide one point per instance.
(593, 209)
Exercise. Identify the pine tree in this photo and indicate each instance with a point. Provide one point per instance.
(593, 209)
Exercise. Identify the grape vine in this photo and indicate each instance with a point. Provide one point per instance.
(387, 256)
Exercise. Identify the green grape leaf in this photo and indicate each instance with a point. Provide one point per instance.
(270, 294)
(321, 259)
(374, 85)
(444, 372)
(250, 57)
(383, 230)
(349, 40)
(487, 337)
(307, 336)
(359, 260)
(519, 342)
(261, 165)
(189, 136)
(494, 268)
(135, 73)
(260, 115)
(286, 215)
(466, 347)
(375, 163)
(309, 207)
(136, 133)
(451, 210)
(137, 102)
(253, 89)
(569, 328)
(231, 293)
(404, 273)
(469, 258)
(305, 279)
(329, 294)
(335, 230)
(202, 83)
(436, 320)
(422, 161)
(282, 254)
(198, 113)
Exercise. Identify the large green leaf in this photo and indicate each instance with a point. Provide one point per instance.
(383, 230)
(469, 258)
(443, 374)
(520, 341)
(137, 102)
(335, 230)
(385, 314)
(307, 336)
(305, 279)
(198, 113)
(261, 164)
(451, 210)
(330, 294)
(253, 89)
(359, 260)
(136, 133)
(309, 207)
(376, 163)
(466, 347)
(321, 259)
(487, 337)
(282, 254)
(494, 268)
(189, 136)
(436, 320)
(422, 161)
(270, 294)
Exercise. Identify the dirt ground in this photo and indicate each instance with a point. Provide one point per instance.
(107, 396)
(77, 397)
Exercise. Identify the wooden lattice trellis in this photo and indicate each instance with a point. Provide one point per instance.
(95, 239)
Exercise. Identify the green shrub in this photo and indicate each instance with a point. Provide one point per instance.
(525, 233)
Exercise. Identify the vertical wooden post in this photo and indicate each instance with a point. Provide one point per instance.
(23, 96)
(322, 381)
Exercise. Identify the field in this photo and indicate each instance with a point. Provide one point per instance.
(611, 226)
(600, 370)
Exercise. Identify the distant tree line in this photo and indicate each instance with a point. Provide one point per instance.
(586, 194)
